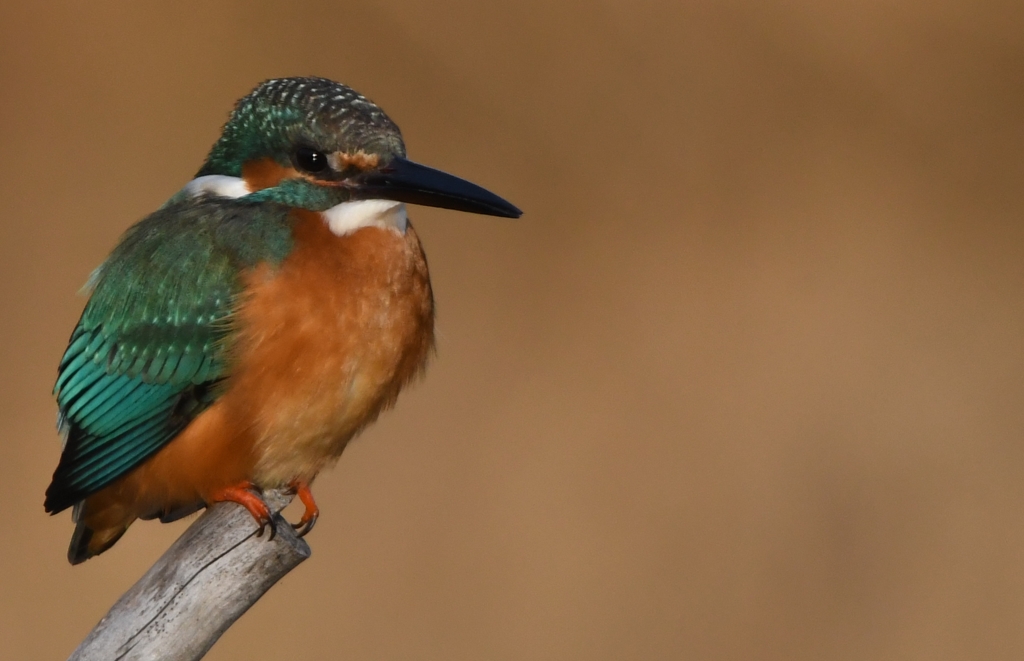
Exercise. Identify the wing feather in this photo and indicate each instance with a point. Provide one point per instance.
(150, 347)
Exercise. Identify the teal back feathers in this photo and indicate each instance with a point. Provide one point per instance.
(149, 349)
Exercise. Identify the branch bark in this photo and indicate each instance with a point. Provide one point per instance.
(212, 574)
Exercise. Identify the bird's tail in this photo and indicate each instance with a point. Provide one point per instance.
(99, 523)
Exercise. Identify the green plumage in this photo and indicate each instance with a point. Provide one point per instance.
(150, 347)
(283, 113)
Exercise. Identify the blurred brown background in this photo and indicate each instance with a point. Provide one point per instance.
(745, 382)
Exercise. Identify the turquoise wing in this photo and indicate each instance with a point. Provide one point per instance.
(149, 351)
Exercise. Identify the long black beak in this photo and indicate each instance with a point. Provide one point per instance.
(404, 181)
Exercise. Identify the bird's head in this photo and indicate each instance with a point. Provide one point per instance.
(313, 143)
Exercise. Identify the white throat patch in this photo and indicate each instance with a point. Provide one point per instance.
(347, 217)
(342, 219)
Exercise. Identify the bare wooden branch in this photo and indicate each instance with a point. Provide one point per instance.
(212, 574)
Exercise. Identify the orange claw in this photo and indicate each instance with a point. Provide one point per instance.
(244, 495)
(312, 512)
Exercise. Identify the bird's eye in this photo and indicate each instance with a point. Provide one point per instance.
(310, 160)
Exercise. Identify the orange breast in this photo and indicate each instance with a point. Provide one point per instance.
(322, 344)
(325, 342)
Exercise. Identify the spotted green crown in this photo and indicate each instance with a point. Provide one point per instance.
(285, 112)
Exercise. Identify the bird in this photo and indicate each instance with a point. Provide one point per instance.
(237, 338)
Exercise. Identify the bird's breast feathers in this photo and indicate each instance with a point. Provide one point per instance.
(326, 340)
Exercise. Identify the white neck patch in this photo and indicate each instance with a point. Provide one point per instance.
(342, 219)
(216, 184)
(347, 217)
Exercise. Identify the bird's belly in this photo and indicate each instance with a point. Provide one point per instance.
(325, 342)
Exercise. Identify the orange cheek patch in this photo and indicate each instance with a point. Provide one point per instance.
(359, 160)
(265, 173)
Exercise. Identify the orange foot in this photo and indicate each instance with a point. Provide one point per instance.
(312, 512)
(244, 494)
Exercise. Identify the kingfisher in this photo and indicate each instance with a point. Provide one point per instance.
(238, 338)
